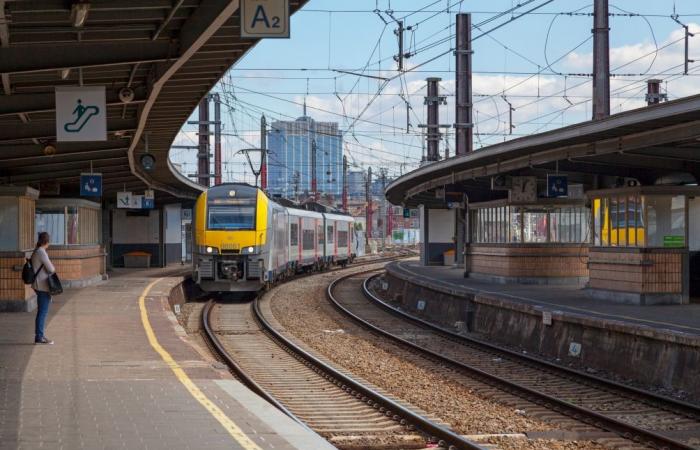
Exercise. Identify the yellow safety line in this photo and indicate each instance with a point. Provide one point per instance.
(587, 311)
(214, 410)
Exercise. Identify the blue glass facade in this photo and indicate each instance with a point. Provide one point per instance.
(289, 157)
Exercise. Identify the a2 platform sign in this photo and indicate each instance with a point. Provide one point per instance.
(265, 18)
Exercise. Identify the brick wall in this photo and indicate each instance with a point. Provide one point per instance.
(11, 285)
(78, 263)
(528, 260)
(642, 271)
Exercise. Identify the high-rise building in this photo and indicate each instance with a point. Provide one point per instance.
(290, 144)
(356, 184)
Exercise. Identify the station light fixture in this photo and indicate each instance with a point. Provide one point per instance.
(148, 162)
(79, 12)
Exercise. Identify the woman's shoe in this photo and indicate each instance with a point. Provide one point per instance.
(44, 340)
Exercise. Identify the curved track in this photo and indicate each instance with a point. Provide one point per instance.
(347, 412)
(632, 414)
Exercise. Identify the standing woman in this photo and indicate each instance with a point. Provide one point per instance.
(41, 260)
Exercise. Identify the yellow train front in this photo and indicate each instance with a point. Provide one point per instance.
(231, 239)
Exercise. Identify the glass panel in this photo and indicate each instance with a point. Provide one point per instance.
(597, 211)
(622, 222)
(535, 226)
(632, 221)
(555, 225)
(231, 218)
(52, 221)
(665, 221)
(515, 225)
(72, 225)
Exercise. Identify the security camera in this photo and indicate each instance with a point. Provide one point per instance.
(126, 95)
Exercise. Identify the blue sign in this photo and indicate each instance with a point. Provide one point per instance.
(557, 186)
(91, 184)
(148, 203)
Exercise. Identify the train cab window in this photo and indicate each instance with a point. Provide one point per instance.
(330, 234)
(293, 234)
(231, 217)
(307, 241)
(320, 234)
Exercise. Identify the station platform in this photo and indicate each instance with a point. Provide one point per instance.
(653, 346)
(123, 374)
(566, 299)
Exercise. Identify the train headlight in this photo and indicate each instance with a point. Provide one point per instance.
(251, 249)
(210, 250)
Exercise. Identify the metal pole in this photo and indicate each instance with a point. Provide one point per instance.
(601, 60)
(314, 184)
(368, 209)
(399, 32)
(217, 140)
(203, 152)
(384, 212)
(433, 125)
(345, 184)
(463, 72)
(263, 153)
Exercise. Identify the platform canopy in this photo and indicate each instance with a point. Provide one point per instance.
(169, 52)
(658, 144)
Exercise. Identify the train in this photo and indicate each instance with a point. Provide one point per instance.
(245, 241)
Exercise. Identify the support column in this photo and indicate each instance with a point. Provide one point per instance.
(601, 60)
(263, 153)
(17, 238)
(217, 139)
(203, 171)
(463, 88)
(433, 101)
(345, 184)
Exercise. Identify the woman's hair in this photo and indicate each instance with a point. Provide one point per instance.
(43, 239)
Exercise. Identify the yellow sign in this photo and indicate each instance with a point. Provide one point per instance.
(265, 18)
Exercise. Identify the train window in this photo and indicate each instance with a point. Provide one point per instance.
(320, 234)
(342, 238)
(293, 234)
(231, 218)
(307, 241)
(330, 234)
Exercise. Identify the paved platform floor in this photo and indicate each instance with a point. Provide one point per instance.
(108, 384)
(679, 318)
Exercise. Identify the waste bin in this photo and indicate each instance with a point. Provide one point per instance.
(137, 260)
(449, 257)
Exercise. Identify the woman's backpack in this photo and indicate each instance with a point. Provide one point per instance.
(28, 274)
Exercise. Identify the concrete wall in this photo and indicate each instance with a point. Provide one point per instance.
(136, 233)
(437, 234)
(636, 352)
(173, 233)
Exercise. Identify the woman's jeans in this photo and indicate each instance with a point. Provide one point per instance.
(43, 299)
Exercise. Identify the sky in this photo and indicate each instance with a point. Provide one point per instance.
(537, 57)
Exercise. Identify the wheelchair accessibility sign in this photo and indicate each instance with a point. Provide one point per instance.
(81, 114)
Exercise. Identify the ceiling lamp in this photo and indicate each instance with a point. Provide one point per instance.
(79, 12)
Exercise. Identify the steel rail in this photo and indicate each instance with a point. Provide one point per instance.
(623, 429)
(448, 437)
(689, 409)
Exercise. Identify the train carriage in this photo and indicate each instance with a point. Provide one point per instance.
(244, 240)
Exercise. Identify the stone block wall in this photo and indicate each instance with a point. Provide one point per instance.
(78, 265)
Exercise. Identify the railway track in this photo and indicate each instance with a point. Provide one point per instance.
(637, 417)
(349, 413)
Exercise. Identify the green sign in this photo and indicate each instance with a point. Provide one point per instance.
(397, 235)
(674, 241)
(406, 213)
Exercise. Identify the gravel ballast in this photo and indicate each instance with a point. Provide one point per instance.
(301, 308)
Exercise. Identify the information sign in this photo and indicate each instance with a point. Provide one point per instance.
(557, 186)
(123, 200)
(91, 184)
(674, 241)
(81, 113)
(265, 18)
